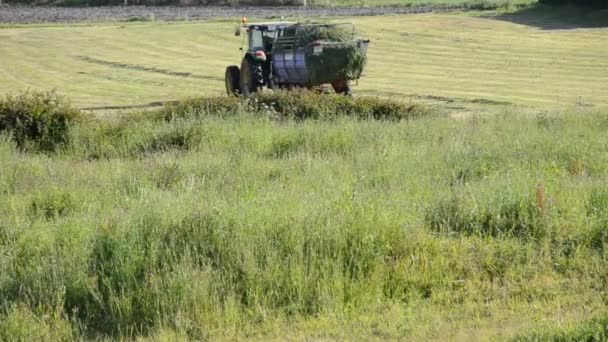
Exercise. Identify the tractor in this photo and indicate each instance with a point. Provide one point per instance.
(288, 55)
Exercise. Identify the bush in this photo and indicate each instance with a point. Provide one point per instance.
(199, 107)
(37, 120)
(297, 105)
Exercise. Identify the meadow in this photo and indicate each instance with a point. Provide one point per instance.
(199, 222)
(468, 202)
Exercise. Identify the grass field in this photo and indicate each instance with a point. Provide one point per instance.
(227, 226)
(213, 219)
(463, 60)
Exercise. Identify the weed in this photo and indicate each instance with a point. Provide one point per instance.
(37, 120)
(503, 215)
(51, 203)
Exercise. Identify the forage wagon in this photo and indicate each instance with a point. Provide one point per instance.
(303, 55)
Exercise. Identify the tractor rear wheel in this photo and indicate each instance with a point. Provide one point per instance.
(233, 80)
(342, 87)
(251, 77)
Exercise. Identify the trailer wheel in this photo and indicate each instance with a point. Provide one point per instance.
(233, 80)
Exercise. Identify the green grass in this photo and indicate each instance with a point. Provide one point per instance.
(464, 61)
(320, 219)
(253, 226)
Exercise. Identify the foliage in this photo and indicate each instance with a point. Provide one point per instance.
(37, 120)
(299, 105)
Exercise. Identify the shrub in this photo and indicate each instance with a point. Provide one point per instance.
(308, 105)
(298, 105)
(38, 120)
(198, 107)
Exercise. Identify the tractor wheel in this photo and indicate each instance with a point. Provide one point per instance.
(233, 80)
(342, 87)
(251, 77)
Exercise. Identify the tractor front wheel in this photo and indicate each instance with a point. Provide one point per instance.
(233, 80)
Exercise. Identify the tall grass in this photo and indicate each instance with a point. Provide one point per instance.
(249, 225)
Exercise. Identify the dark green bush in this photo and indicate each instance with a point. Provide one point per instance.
(37, 120)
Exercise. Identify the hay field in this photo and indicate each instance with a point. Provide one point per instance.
(461, 59)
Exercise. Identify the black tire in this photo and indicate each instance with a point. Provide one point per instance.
(342, 87)
(251, 77)
(233, 80)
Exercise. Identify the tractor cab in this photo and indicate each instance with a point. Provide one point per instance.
(261, 36)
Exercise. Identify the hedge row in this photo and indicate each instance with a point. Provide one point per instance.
(297, 105)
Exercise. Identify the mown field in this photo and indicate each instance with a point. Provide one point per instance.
(306, 217)
(462, 60)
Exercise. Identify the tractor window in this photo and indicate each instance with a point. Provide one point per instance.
(255, 40)
(261, 40)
